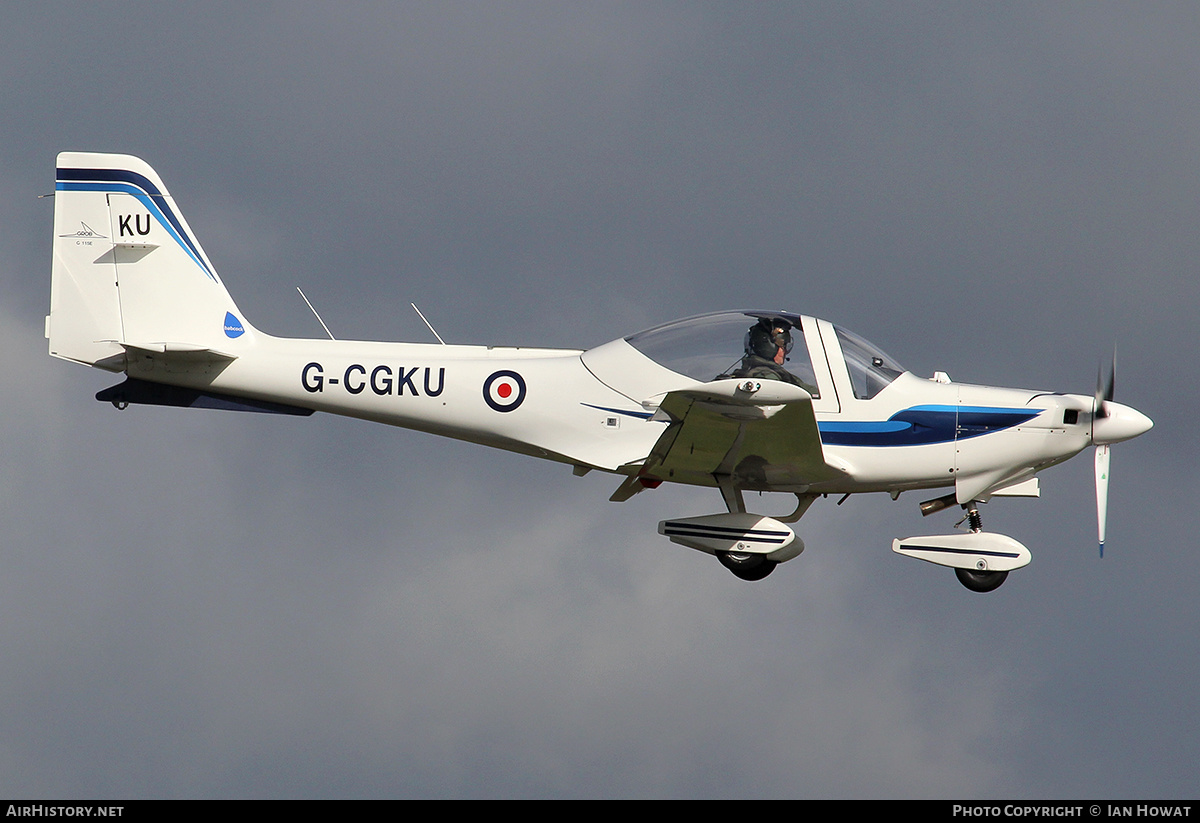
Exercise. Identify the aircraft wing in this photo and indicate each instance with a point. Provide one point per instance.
(765, 438)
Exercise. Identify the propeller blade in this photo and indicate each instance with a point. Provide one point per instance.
(1104, 388)
(1103, 456)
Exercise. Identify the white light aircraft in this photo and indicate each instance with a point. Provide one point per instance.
(766, 401)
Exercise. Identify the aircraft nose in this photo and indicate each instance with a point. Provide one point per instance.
(1122, 423)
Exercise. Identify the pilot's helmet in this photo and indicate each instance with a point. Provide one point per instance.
(768, 336)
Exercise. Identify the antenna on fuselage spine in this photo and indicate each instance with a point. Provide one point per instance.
(314, 311)
(427, 323)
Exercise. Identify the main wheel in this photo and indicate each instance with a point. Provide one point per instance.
(980, 581)
(747, 566)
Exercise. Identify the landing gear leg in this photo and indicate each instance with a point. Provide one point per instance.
(978, 580)
(734, 501)
(744, 565)
(974, 520)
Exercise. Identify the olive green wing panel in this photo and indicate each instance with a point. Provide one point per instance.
(760, 446)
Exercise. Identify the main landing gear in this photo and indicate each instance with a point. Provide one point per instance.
(749, 545)
(747, 566)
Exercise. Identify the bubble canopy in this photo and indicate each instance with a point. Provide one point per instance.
(760, 344)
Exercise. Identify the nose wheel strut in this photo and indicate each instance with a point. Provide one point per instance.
(972, 518)
(977, 580)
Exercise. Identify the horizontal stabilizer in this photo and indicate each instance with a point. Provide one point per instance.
(141, 392)
(181, 352)
(977, 551)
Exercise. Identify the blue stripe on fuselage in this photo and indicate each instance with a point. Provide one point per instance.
(924, 425)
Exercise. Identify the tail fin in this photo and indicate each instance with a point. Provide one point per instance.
(128, 274)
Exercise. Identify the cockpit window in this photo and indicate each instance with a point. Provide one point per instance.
(762, 345)
(871, 371)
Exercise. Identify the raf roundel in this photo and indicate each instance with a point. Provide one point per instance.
(504, 390)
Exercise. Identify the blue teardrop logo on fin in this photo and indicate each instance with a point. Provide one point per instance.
(233, 326)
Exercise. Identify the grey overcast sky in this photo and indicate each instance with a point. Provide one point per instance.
(209, 604)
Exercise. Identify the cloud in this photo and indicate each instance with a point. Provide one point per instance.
(229, 605)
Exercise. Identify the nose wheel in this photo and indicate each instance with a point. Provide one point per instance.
(978, 580)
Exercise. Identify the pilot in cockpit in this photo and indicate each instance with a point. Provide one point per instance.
(767, 345)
